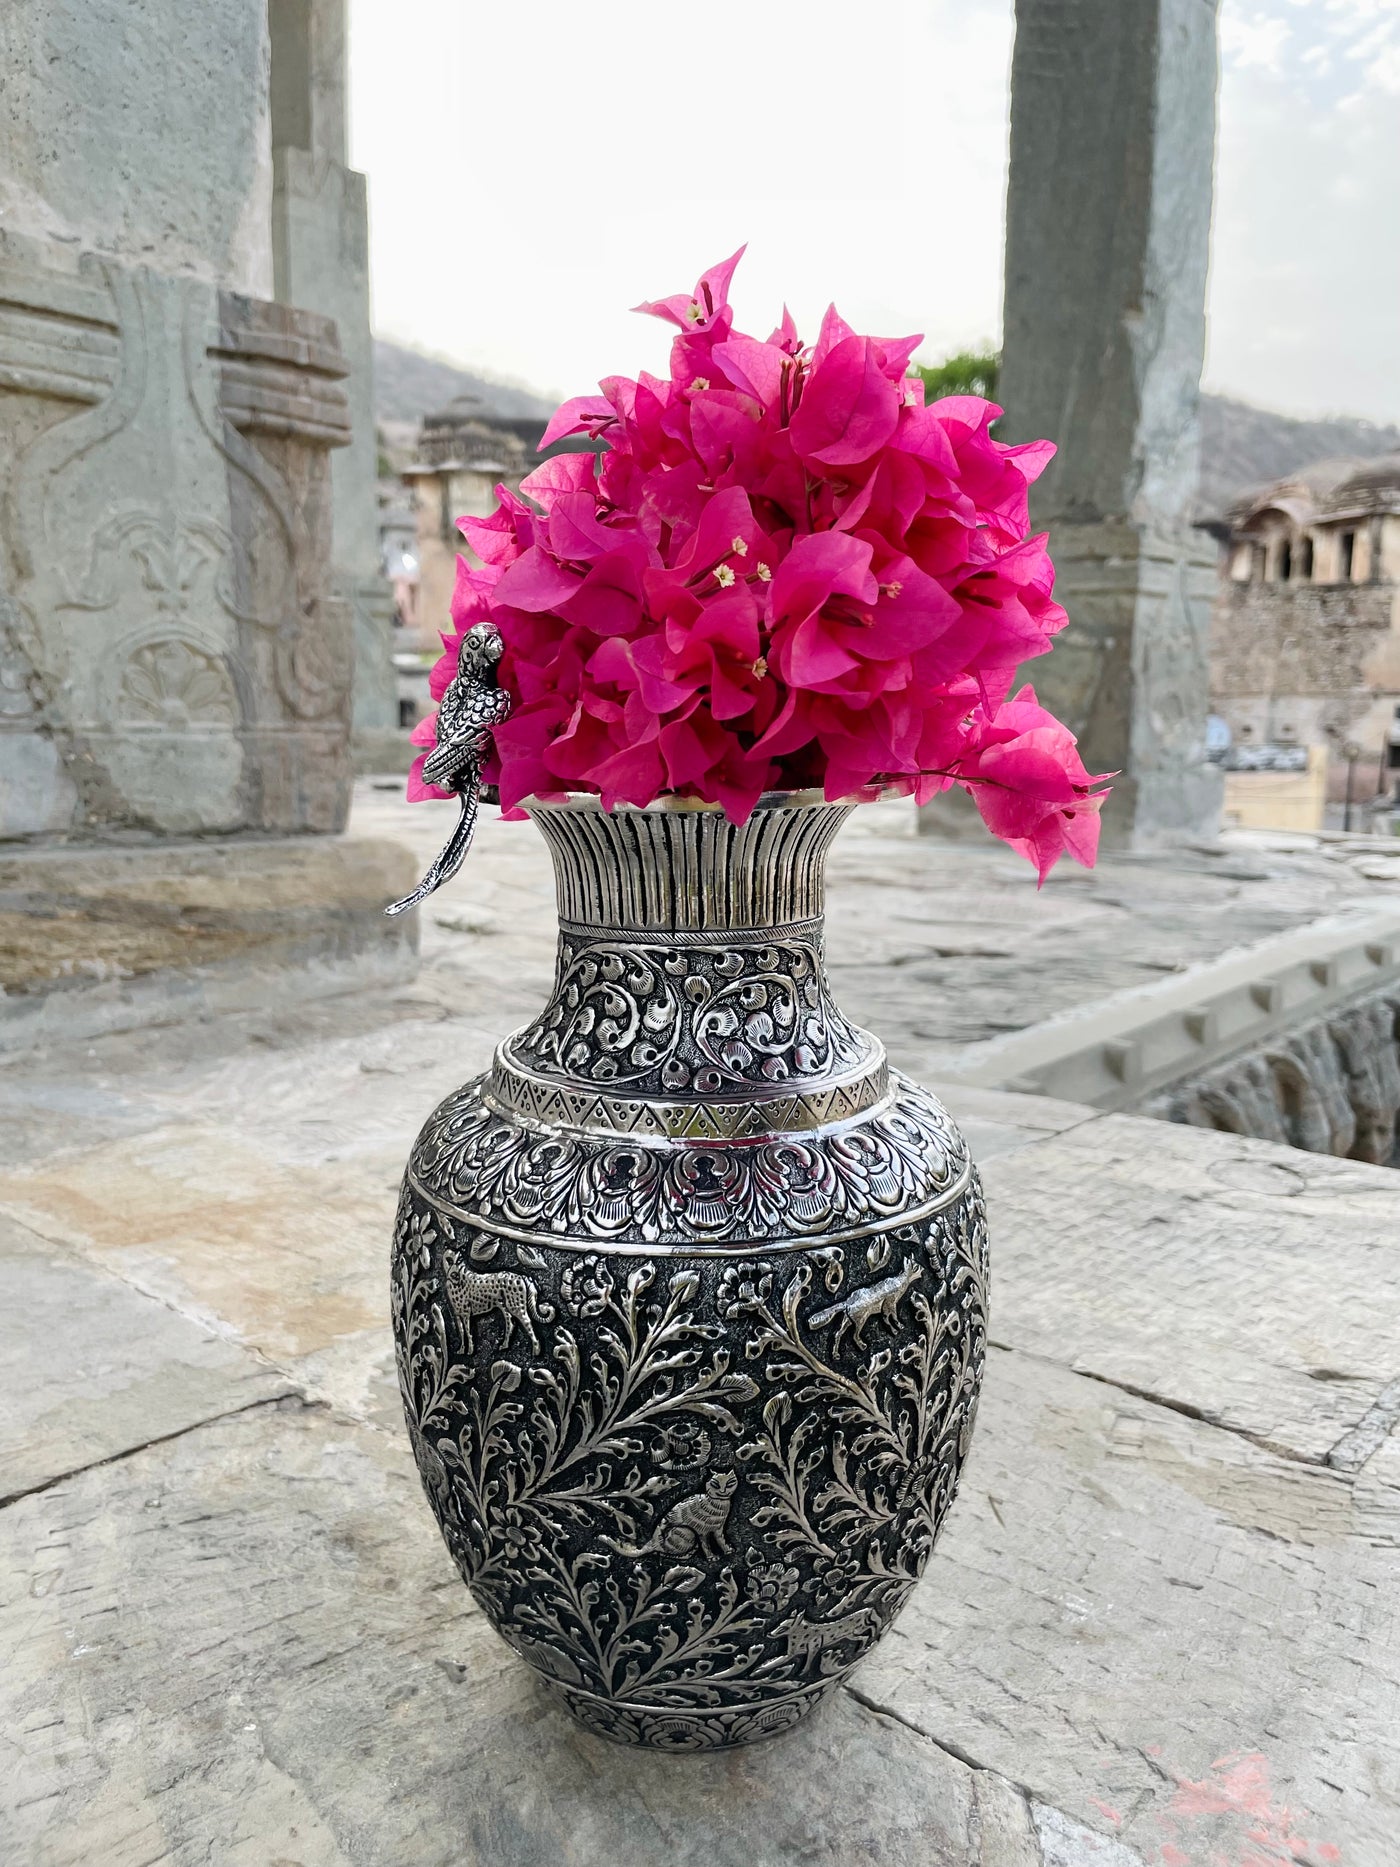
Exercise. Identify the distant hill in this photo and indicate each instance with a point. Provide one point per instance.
(409, 385)
(1241, 446)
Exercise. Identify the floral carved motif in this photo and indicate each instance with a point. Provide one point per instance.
(691, 1019)
(786, 1186)
(174, 686)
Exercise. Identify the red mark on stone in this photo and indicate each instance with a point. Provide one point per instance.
(1234, 1806)
(1109, 1815)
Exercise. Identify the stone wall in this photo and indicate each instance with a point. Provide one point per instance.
(1306, 662)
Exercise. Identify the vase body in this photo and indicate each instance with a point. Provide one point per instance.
(689, 1293)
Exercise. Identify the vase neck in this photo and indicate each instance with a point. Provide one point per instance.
(690, 996)
(658, 871)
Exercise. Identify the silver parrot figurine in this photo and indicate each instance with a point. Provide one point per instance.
(472, 708)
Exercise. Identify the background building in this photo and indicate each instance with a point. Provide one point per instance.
(1305, 640)
(460, 462)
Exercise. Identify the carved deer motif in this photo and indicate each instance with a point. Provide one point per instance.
(809, 1639)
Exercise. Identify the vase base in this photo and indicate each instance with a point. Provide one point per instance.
(711, 1727)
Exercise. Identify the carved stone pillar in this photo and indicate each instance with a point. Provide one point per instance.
(320, 255)
(176, 633)
(173, 658)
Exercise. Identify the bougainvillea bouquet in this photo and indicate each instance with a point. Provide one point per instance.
(781, 571)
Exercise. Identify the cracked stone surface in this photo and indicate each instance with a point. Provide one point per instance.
(1185, 1266)
(128, 1369)
(251, 1636)
(1124, 1596)
(1160, 1630)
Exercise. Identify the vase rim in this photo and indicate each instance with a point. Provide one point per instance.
(670, 803)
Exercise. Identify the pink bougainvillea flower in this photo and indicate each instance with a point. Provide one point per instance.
(581, 414)
(774, 567)
(706, 309)
(1024, 771)
(849, 408)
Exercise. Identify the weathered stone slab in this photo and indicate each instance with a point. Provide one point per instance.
(1162, 1632)
(288, 1260)
(94, 1369)
(994, 1121)
(1237, 1279)
(247, 1645)
(1114, 1578)
(100, 940)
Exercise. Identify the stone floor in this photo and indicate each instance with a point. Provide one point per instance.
(1160, 1630)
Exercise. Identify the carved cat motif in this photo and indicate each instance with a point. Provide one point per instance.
(694, 1524)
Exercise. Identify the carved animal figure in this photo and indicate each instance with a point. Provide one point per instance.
(863, 1306)
(694, 1524)
(477, 1293)
(805, 1638)
(472, 708)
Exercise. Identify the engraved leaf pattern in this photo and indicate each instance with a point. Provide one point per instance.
(569, 1481)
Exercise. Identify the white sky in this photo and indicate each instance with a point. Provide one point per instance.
(537, 167)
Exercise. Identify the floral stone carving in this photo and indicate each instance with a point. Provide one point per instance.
(690, 1406)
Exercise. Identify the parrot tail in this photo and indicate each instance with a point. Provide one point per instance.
(447, 862)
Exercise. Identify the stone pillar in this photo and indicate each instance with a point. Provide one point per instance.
(176, 656)
(1107, 237)
(139, 129)
(320, 252)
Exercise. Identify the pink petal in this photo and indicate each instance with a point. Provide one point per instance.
(849, 408)
(818, 567)
(581, 413)
(536, 582)
(563, 473)
(808, 654)
(696, 310)
(755, 367)
(415, 790)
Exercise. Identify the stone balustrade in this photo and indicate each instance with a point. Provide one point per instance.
(1332, 1087)
(1291, 1040)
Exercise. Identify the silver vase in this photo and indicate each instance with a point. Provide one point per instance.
(689, 1293)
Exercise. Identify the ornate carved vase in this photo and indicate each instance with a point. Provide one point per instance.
(689, 1293)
